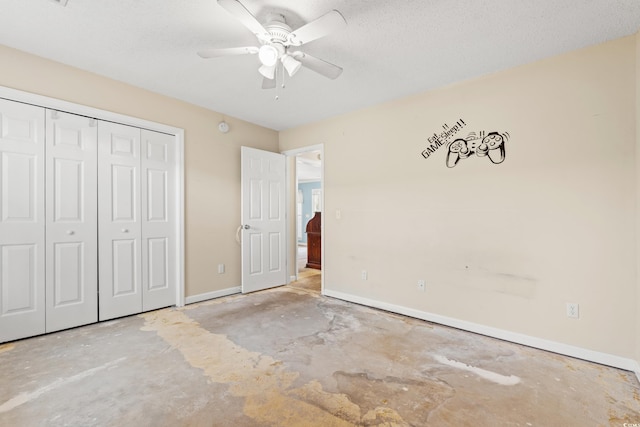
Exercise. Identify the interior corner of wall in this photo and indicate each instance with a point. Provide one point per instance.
(637, 82)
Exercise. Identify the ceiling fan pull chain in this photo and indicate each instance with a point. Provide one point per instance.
(283, 77)
(278, 67)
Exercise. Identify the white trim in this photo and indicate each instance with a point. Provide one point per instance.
(211, 295)
(83, 110)
(180, 185)
(294, 152)
(287, 225)
(539, 343)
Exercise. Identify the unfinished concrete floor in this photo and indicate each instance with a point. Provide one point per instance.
(289, 357)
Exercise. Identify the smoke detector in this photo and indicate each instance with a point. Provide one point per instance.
(223, 127)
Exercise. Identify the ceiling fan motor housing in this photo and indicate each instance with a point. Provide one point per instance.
(277, 28)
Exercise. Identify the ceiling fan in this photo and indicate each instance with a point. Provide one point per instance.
(276, 40)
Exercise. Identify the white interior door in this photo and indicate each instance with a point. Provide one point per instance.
(263, 220)
(119, 225)
(22, 221)
(72, 228)
(159, 233)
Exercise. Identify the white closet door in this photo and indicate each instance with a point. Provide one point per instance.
(22, 221)
(71, 236)
(119, 230)
(158, 220)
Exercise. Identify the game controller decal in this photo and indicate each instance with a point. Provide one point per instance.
(482, 144)
(491, 145)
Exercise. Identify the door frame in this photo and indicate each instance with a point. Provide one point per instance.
(178, 133)
(290, 200)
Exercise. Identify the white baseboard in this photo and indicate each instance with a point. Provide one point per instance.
(542, 344)
(211, 295)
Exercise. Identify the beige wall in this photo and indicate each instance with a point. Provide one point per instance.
(212, 159)
(506, 245)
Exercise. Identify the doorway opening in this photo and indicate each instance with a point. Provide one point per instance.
(309, 200)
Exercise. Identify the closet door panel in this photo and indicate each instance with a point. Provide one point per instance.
(159, 229)
(71, 237)
(119, 221)
(69, 280)
(22, 221)
(124, 260)
(19, 272)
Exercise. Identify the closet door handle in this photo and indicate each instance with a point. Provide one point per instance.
(71, 232)
(125, 230)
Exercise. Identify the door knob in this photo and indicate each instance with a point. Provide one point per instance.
(124, 230)
(70, 232)
(246, 227)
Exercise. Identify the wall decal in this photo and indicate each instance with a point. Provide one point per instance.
(437, 140)
(491, 145)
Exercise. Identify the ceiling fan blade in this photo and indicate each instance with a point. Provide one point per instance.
(245, 17)
(324, 68)
(326, 24)
(268, 83)
(232, 51)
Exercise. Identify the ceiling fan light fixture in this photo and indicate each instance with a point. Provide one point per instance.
(276, 37)
(268, 72)
(268, 55)
(291, 64)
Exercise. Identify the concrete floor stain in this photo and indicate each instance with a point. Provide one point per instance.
(261, 380)
(7, 347)
(414, 399)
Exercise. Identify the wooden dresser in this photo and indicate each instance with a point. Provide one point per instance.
(314, 242)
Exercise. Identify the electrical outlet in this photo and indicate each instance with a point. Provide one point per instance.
(220, 268)
(573, 310)
(421, 285)
(364, 275)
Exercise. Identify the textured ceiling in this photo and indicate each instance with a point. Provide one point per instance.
(389, 49)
